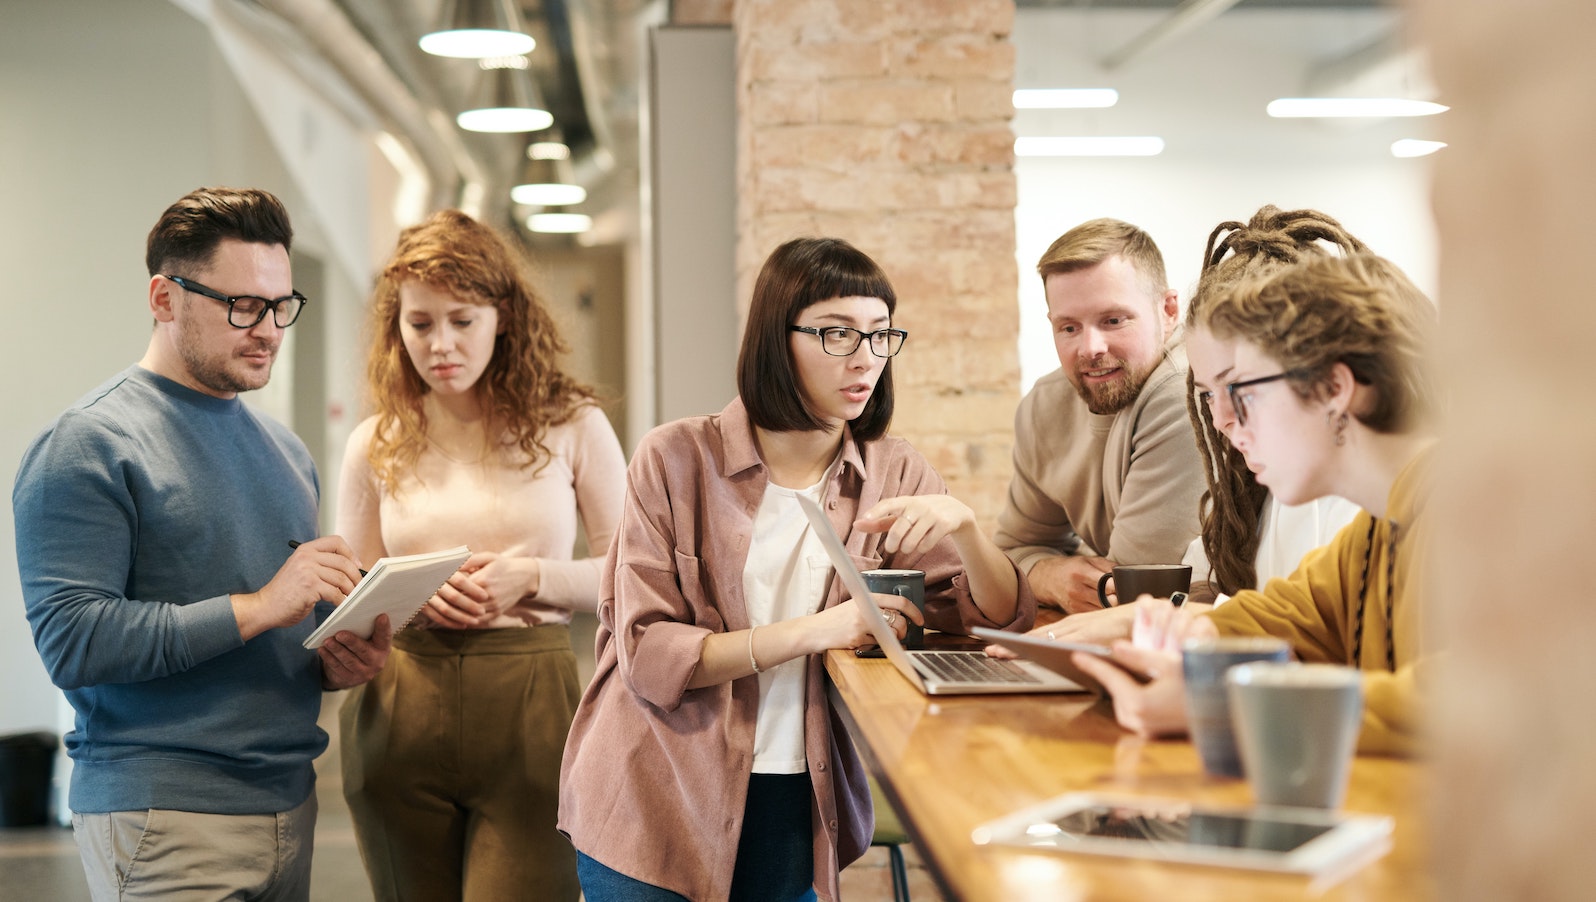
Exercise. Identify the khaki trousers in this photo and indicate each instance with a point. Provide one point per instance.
(187, 856)
(451, 763)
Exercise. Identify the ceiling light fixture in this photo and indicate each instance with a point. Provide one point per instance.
(548, 194)
(504, 103)
(547, 183)
(1415, 147)
(1064, 98)
(1351, 108)
(1090, 146)
(547, 150)
(473, 29)
(559, 223)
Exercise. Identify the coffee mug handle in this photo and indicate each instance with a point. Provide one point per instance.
(1102, 587)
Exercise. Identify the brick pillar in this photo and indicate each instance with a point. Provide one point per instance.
(886, 123)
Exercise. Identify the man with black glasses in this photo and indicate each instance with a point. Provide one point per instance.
(1106, 469)
(153, 522)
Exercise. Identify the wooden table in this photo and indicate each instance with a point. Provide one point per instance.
(951, 763)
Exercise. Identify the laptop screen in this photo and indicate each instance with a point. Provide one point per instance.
(851, 578)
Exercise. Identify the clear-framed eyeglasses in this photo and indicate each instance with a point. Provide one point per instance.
(245, 311)
(841, 341)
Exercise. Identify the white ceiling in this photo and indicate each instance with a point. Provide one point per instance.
(1205, 91)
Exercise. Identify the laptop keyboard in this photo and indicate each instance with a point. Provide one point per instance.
(971, 667)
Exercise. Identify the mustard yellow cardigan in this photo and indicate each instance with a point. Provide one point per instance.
(1316, 609)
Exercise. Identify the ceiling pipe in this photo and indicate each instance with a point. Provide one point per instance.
(1386, 67)
(1184, 18)
(453, 171)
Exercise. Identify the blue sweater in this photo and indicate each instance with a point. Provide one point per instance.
(137, 513)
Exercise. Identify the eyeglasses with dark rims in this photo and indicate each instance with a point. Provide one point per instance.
(841, 341)
(1241, 401)
(245, 311)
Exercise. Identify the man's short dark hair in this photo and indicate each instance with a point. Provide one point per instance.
(800, 273)
(187, 234)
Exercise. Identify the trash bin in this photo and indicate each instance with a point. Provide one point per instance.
(26, 760)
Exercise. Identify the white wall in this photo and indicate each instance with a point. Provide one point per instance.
(109, 111)
(1205, 95)
(691, 158)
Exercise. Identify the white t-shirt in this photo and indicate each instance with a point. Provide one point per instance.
(785, 577)
(1288, 533)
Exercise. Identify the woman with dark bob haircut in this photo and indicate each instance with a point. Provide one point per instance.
(705, 761)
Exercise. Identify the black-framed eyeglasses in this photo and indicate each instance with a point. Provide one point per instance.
(245, 311)
(1240, 401)
(841, 341)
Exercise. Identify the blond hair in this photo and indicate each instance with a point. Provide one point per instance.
(1092, 242)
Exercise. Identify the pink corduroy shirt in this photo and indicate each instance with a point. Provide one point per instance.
(655, 776)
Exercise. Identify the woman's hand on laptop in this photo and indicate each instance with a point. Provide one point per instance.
(848, 626)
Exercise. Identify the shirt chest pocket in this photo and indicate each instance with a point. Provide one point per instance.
(834, 592)
(693, 583)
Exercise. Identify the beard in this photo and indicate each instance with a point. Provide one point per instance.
(211, 370)
(1104, 398)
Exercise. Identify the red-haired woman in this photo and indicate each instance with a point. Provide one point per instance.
(451, 756)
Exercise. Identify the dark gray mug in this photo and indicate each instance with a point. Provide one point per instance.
(1204, 663)
(908, 584)
(1132, 581)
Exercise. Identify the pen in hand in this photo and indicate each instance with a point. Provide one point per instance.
(295, 544)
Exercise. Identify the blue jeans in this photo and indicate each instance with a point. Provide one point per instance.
(602, 884)
(775, 854)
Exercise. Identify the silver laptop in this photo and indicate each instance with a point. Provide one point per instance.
(933, 672)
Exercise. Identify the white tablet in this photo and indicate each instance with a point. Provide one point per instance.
(1293, 840)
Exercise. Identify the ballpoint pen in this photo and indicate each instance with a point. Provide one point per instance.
(292, 543)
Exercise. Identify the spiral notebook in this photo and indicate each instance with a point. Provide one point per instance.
(396, 586)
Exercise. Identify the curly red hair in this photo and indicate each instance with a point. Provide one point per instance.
(523, 390)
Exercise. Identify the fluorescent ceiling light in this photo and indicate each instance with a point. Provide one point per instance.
(1350, 108)
(559, 223)
(1053, 146)
(505, 119)
(477, 43)
(547, 150)
(1064, 98)
(503, 101)
(548, 194)
(1414, 147)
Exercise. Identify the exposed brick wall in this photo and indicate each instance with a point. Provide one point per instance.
(886, 122)
(701, 12)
